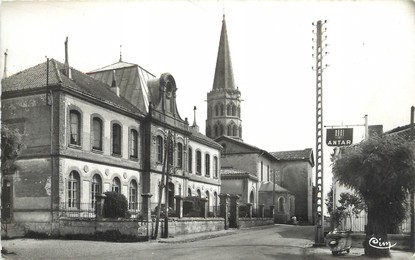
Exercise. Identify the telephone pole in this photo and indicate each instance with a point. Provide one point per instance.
(319, 217)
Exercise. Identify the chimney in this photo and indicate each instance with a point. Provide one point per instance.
(195, 126)
(67, 69)
(114, 86)
(5, 65)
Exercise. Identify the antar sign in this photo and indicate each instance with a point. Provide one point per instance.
(339, 137)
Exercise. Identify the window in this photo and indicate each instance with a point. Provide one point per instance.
(229, 130)
(133, 143)
(267, 172)
(216, 130)
(199, 194)
(132, 198)
(75, 131)
(208, 198)
(240, 131)
(220, 129)
(179, 155)
(189, 192)
(235, 130)
(73, 190)
(281, 204)
(116, 139)
(215, 167)
(198, 162)
(262, 171)
(215, 203)
(221, 109)
(234, 110)
(228, 110)
(95, 188)
(159, 143)
(190, 159)
(116, 185)
(96, 134)
(207, 165)
(216, 110)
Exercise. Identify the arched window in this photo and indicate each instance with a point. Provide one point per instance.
(221, 129)
(132, 198)
(221, 109)
(235, 130)
(216, 110)
(208, 131)
(208, 200)
(215, 203)
(198, 162)
(216, 127)
(207, 165)
(189, 192)
(233, 110)
(96, 134)
(179, 155)
(251, 197)
(281, 202)
(199, 194)
(96, 188)
(73, 190)
(229, 130)
(228, 110)
(75, 130)
(190, 160)
(159, 143)
(133, 143)
(215, 167)
(116, 139)
(116, 185)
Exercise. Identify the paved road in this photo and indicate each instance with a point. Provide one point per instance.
(271, 242)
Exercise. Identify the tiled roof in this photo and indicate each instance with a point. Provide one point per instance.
(229, 171)
(35, 77)
(117, 65)
(305, 154)
(205, 139)
(402, 131)
(268, 187)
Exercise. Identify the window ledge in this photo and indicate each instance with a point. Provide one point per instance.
(116, 155)
(132, 158)
(74, 146)
(97, 151)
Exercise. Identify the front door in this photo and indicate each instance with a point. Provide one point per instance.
(6, 202)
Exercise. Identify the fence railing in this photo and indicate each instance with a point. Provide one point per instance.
(77, 210)
(357, 224)
(87, 210)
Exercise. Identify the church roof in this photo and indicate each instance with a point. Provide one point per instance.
(204, 139)
(268, 187)
(131, 79)
(232, 172)
(35, 78)
(306, 154)
(223, 73)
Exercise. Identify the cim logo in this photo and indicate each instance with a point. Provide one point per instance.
(379, 244)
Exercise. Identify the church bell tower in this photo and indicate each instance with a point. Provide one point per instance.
(224, 100)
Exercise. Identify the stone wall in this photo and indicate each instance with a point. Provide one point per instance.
(252, 222)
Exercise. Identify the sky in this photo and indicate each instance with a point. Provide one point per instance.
(370, 56)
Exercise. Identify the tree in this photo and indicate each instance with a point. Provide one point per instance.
(382, 172)
(11, 147)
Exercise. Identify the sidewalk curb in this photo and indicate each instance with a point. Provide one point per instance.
(195, 237)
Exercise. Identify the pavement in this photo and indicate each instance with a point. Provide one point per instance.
(311, 251)
(316, 251)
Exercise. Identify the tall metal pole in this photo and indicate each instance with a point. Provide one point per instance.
(412, 135)
(319, 218)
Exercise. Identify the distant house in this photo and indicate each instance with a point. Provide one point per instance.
(249, 171)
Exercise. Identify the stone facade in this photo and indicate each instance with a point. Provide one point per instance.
(83, 138)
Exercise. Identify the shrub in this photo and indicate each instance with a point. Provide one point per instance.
(115, 205)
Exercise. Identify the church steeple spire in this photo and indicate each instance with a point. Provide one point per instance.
(223, 101)
(223, 72)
